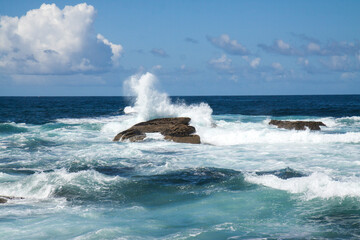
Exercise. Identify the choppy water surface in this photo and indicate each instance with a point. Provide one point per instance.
(246, 180)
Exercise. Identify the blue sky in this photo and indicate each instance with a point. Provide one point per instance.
(193, 47)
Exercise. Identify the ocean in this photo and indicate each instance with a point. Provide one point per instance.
(246, 180)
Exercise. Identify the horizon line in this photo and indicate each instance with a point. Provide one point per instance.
(253, 95)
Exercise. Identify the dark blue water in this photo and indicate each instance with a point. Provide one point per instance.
(39, 110)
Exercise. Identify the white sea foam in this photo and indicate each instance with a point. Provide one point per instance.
(353, 118)
(42, 185)
(234, 133)
(89, 120)
(317, 185)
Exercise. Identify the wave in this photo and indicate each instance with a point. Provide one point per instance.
(43, 185)
(105, 184)
(316, 185)
(11, 128)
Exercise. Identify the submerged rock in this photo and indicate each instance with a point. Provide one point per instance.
(173, 129)
(4, 199)
(297, 125)
(285, 173)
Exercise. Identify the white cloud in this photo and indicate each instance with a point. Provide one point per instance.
(116, 49)
(303, 61)
(313, 47)
(159, 52)
(50, 40)
(230, 46)
(277, 66)
(157, 67)
(221, 63)
(349, 75)
(255, 62)
(282, 45)
(338, 63)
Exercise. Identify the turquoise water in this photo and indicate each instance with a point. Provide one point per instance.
(247, 180)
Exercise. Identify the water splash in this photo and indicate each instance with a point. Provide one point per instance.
(150, 103)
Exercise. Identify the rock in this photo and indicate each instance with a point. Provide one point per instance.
(297, 125)
(133, 135)
(173, 129)
(285, 173)
(4, 199)
(194, 139)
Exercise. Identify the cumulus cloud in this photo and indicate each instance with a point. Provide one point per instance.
(229, 46)
(280, 47)
(313, 47)
(255, 62)
(340, 64)
(341, 48)
(116, 49)
(50, 40)
(222, 63)
(159, 52)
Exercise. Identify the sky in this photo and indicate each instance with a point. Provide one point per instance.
(194, 47)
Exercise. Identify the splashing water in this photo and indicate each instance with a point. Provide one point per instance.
(150, 103)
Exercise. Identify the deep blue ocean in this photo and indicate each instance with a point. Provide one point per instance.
(246, 180)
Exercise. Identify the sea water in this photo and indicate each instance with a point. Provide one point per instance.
(247, 180)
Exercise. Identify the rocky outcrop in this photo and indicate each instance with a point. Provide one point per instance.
(4, 199)
(297, 125)
(173, 129)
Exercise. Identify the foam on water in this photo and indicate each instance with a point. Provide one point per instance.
(42, 185)
(235, 133)
(317, 185)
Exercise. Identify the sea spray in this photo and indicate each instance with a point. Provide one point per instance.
(151, 104)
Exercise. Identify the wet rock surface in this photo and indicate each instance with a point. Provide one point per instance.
(285, 173)
(297, 125)
(4, 199)
(173, 129)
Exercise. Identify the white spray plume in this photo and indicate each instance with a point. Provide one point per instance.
(150, 103)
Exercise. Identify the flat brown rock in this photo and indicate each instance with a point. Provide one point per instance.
(194, 139)
(174, 129)
(297, 125)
